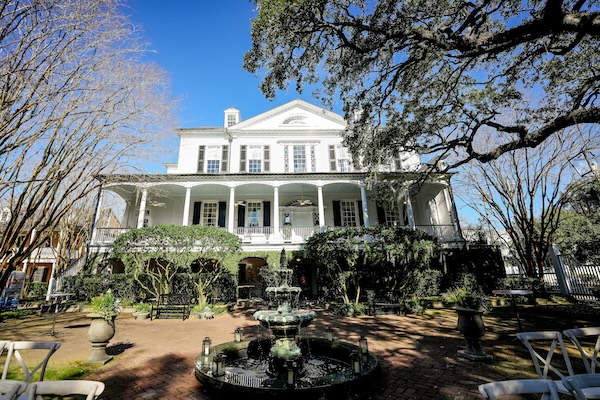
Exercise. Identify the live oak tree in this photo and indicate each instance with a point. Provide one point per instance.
(76, 101)
(436, 75)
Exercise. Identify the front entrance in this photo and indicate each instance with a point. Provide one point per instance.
(250, 283)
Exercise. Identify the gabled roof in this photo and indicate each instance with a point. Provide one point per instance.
(295, 114)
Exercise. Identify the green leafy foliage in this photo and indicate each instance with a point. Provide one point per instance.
(462, 296)
(352, 259)
(154, 255)
(106, 305)
(439, 74)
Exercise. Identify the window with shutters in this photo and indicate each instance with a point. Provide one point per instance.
(348, 209)
(213, 159)
(339, 159)
(344, 163)
(210, 214)
(254, 213)
(255, 154)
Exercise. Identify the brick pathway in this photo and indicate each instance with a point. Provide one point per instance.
(154, 359)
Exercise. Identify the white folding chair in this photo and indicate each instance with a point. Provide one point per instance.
(546, 387)
(590, 360)
(547, 344)
(18, 350)
(584, 386)
(10, 390)
(91, 389)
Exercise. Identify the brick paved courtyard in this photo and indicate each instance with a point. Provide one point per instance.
(154, 359)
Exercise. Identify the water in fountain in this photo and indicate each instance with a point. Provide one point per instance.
(285, 365)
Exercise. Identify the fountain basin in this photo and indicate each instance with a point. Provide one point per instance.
(325, 372)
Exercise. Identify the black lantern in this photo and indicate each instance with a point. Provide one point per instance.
(291, 373)
(356, 362)
(329, 334)
(218, 368)
(206, 346)
(363, 345)
(237, 335)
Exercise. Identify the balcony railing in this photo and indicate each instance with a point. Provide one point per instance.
(445, 233)
(286, 234)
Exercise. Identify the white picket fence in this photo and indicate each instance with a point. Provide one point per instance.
(564, 274)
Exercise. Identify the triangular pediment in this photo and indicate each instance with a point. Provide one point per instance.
(295, 115)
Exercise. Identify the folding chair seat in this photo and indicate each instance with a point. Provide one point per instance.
(10, 389)
(90, 389)
(546, 387)
(590, 358)
(543, 346)
(584, 386)
(20, 351)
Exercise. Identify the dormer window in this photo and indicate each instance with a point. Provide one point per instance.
(232, 117)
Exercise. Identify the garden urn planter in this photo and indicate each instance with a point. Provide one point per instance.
(99, 334)
(470, 324)
(141, 315)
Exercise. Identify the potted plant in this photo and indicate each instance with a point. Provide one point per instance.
(470, 304)
(141, 311)
(105, 309)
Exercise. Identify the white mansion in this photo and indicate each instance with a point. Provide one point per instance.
(274, 180)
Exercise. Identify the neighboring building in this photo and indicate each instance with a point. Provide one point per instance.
(274, 180)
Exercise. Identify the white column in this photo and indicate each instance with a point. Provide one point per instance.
(52, 281)
(186, 207)
(409, 211)
(365, 208)
(276, 210)
(142, 212)
(321, 208)
(453, 214)
(231, 207)
(97, 216)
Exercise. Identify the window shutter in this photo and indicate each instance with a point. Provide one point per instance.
(196, 215)
(222, 213)
(225, 159)
(241, 216)
(361, 217)
(266, 213)
(380, 214)
(242, 158)
(266, 161)
(337, 214)
(332, 163)
(201, 150)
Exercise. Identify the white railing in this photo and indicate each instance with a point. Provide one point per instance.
(446, 233)
(267, 234)
(107, 235)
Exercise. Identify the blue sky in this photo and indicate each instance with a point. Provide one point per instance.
(201, 45)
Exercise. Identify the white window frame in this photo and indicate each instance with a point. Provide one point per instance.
(299, 157)
(210, 213)
(255, 153)
(349, 213)
(343, 159)
(254, 214)
(212, 158)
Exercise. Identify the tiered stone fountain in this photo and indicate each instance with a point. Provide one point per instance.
(284, 364)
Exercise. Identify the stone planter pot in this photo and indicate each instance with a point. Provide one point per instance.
(99, 334)
(470, 324)
(141, 315)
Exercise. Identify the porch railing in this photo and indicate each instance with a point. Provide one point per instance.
(445, 233)
(267, 234)
(107, 235)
